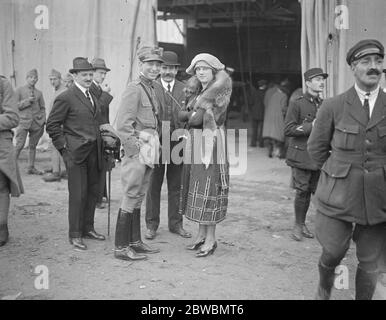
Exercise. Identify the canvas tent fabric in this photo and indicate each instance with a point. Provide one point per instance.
(48, 34)
(330, 28)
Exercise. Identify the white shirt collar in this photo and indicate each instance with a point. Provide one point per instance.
(165, 84)
(83, 89)
(362, 93)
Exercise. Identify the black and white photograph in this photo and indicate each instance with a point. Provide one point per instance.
(208, 153)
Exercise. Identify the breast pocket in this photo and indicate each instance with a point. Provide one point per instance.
(345, 136)
(146, 115)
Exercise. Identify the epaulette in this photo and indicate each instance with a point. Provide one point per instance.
(300, 97)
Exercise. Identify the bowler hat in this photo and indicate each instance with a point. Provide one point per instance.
(170, 58)
(81, 64)
(147, 53)
(99, 63)
(314, 72)
(364, 48)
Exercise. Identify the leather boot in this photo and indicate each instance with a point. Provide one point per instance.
(3, 234)
(326, 281)
(122, 235)
(136, 240)
(365, 283)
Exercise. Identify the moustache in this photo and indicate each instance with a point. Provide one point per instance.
(373, 72)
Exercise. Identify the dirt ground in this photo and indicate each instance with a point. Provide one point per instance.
(255, 259)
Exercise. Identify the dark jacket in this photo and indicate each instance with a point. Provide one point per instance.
(168, 107)
(104, 99)
(256, 103)
(352, 156)
(80, 121)
(298, 124)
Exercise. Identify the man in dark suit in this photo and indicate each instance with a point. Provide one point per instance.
(170, 96)
(102, 92)
(298, 124)
(256, 112)
(73, 126)
(348, 143)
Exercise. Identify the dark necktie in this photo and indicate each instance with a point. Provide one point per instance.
(366, 105)
(169, 87)
(88, 96)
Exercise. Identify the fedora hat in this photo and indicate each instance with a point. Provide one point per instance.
(170, 58)
(81, 64)
(99, 63)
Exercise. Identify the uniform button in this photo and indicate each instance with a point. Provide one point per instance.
(366, 171)
(368, 142)
(333, 175)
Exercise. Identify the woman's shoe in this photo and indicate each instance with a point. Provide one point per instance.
(208, 252)
(195, 246)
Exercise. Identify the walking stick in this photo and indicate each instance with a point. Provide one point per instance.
(109, 201)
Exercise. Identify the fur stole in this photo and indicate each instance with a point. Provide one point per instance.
(214, 99)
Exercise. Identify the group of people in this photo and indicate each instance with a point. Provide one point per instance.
(337, 150)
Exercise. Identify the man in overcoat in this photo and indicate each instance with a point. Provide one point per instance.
(137, 126)
(74, 127)
(170, 96)
(348, 143)
(32, 114)
(298, 124)
(10, 182)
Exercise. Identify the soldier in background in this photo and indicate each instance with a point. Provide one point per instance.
(56, 158)
(32, 114)
(298, 125)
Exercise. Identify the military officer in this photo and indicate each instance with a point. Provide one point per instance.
(348, 143)
(32, 118)
(170, 95)
(10, 182)
(137, 125)
(298, 124)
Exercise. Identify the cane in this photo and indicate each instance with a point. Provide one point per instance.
(108, 203)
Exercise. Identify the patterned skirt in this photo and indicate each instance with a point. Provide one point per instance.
(204, 191)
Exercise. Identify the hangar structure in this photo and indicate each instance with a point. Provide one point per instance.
(264, 38)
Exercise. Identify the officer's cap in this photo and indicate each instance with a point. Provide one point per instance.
(364, 48)
(314, 72)
(150, 54)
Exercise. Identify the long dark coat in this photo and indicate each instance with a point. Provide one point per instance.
(9, 119)
(352, 184)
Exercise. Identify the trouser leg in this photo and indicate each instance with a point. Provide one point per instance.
(34, 137)
(21, 137)
(77, 190)
(369, 242)
(334, 236)
(4, 208)
(55, 159)
(260, 133)
(153, 197)
(254, 132)
(173, 176)
(93, 174)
